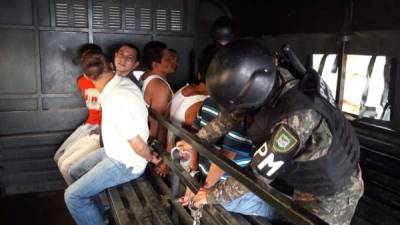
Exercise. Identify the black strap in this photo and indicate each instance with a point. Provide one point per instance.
(366, 86)
(322, 64)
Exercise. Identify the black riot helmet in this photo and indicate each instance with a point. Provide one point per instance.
(242, 75)
(222, 30)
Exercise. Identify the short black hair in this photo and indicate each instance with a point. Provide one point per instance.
(94, 63)
(172, 50)
(205, 58)
(88, 46)
(132, 46)
(153, 52)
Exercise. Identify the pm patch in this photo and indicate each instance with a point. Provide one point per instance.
(284, 140)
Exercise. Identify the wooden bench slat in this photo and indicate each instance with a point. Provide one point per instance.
(387, 182)
(185, 217)
(136, 208)
(359, 221)
(376, 212)
(153, 202)
(379, 193)
(119, 212)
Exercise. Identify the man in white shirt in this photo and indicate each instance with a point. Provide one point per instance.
(126, 59)
(125, 132)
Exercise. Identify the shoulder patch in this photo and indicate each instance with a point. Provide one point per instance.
(284, 140)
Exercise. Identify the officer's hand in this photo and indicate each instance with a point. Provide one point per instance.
(200, 198)
(184, 200)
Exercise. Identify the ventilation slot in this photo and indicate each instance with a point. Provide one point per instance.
(161, 19)
(130, 18)
(98, 16)
(145, 19)
(79, 12)
(106, 14)
(71, 13)
(176, 20)
(61, 14)
(114, 14)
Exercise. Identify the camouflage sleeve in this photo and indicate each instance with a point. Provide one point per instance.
(220, 126)
(226, 191)
(288, 137)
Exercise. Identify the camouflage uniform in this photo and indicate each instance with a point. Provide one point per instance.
(313, 139)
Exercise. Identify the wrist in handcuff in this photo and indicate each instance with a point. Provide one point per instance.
(193, 173)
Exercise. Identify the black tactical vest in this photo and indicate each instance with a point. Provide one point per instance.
(325, 175)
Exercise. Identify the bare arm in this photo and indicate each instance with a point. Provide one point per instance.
(158, 96)
(215, 172)
(141, 148)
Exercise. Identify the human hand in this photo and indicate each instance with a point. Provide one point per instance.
(155, 159)
(200, 198)
(162, 169)
(185, 199)
(183, 146)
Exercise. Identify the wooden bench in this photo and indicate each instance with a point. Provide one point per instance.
(148, 200)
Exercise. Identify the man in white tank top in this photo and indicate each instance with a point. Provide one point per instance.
(156, 90)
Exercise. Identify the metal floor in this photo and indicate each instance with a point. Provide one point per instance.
(35, 209)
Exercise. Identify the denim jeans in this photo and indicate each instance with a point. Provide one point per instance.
(94, 173)
(79, 132)
(77, 151)
(251, 204)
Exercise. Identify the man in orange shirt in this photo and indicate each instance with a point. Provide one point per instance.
(90, 94)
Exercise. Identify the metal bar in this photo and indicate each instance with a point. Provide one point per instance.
(220, 212)
(175, 181)
(294, 212)
(37, 56)
(184, 215)
(342, 58)
(220, 215)
(322, 64)
(90, 20)
(364, 95)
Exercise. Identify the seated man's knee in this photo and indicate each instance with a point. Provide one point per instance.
(70, 196)
(75, 171)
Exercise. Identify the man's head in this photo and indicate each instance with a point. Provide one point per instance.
(126, 58)
(157, 58)
(88, 46)
(97, 68)
(222, 30)
(242, 75)
(174, 58)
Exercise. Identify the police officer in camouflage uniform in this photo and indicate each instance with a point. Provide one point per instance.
(302, 138)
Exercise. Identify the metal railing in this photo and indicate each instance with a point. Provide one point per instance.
(284, 205)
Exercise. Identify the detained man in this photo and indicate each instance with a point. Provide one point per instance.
(125, 132)
(126, 59)
(157, 91)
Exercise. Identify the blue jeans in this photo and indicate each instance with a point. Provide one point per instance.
(94, 173)
(251, 204)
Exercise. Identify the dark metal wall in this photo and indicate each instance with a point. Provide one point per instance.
(39, 101)
(262, 17)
